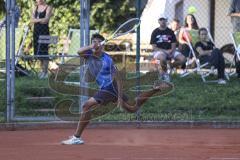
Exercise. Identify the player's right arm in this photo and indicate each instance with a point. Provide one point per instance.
(83, 51)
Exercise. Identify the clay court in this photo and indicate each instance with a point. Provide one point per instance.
(122, 144)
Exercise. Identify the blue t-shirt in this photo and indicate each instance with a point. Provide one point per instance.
(101, 67)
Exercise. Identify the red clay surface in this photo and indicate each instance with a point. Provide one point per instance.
(123, 144)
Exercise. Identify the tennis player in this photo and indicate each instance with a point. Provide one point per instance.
(101, 67)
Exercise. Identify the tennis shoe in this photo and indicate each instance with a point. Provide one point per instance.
(222, 81)
(45, 76)
(40, 75)
(73, 140)
(166, 77)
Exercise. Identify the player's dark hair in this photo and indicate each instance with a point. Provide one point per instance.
(98, 36)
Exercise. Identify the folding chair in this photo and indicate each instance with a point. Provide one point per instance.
(194, 38)
(201, 68)
(213, 69)
(73, 44)
(20, 53)
(236, 43)
(20, 36)
(52, 41)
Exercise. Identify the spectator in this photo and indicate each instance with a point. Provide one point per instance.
(209, 53)
(234, 13)
(163, 41)
(175, 26)
(41, 15)
(190, 23)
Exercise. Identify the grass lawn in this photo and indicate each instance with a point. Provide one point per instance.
(191, 100)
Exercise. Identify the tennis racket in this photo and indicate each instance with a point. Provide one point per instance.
(124, 29)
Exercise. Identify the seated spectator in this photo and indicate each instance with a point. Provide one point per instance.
(209, 53)
(175, 26)
(185, 34)
(163, 41)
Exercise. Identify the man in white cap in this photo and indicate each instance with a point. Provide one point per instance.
(163, 41)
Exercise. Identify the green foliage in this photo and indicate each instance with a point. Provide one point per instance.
(2, 9)
(107, 15)
(65, 15)
(237, 38)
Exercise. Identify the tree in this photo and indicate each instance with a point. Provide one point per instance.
(107, 15)
(2, 9)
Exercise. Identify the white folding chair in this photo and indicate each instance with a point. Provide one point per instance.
(201, 68)
(194, 56)
(20, 37)
(236, 43)
(72, 44)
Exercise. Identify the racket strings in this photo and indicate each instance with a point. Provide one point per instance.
(124, 29)
(128, 27)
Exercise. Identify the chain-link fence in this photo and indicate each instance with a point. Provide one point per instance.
(55, 93)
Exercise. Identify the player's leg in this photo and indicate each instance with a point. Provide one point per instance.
(160, 86)
(85, 117)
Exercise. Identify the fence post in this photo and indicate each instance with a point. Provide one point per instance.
(8, 74)
(138, 7)
(84, 40)
(12, 24)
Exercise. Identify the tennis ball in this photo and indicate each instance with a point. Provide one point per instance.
(192, 10)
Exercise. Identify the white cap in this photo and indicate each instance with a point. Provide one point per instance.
(162, 16)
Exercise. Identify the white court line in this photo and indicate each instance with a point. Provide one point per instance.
(145, 159)
(215, 158)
